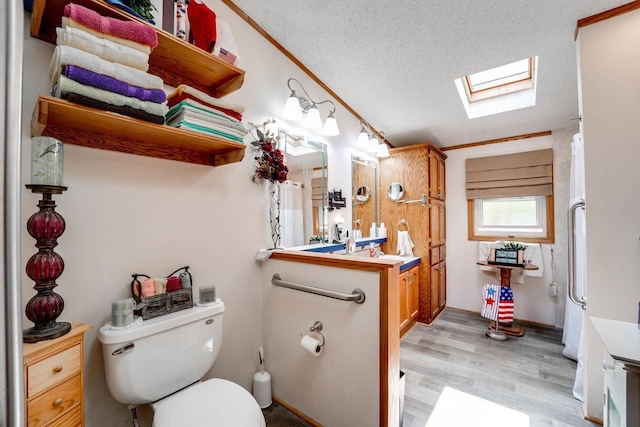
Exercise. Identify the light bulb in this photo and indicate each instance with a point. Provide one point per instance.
(331, 126)
(313, 120)
(292, 110)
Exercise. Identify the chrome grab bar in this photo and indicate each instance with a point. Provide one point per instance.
(571, 221)
(356, 296)
(422, 200)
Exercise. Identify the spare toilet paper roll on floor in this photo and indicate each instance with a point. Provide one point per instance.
(311, 345)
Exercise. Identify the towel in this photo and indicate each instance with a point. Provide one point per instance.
(405, 245)
(67, 55)
(105, 49)
(532, 255)
(161, 285)
(189, 125)
(148, 288)
(129, 30)
(124, 110)
(490, 297)
(195, 105)
(202, 24)
(219, 123)
(70, 23)
(505, 306)
(225, 47)
(173, 284)
(110, 84)
(185, 91)
(67, 86)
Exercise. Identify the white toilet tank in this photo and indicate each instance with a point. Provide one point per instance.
(149, 360)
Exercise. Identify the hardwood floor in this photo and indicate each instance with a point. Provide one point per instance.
(528, 374)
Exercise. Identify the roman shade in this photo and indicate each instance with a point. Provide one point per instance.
(511, 175)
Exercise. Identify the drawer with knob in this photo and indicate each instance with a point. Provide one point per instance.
(54, 402)
(45, 373)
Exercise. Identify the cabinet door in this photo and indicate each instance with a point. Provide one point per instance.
(442, 286)
(442, 224)
(413, 293)
(402, 297)
(436, 176)
(441, 178)
(435, 287)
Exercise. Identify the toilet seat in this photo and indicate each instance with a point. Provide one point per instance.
(212, 403)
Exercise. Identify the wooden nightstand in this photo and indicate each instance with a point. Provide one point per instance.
(53, 380)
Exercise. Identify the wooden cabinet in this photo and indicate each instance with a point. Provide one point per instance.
(421, 171)
(53, 379)
(409, 295)
(175, 61)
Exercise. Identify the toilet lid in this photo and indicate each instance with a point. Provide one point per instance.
(212, 403)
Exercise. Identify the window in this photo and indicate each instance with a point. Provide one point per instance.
(511, 197)
(498, 81)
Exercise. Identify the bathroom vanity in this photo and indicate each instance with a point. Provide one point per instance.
(53, 378)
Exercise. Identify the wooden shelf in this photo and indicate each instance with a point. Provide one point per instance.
(89, 127)
(174, 60)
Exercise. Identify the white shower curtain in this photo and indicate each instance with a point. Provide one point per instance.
(291, 214)
(574, 315)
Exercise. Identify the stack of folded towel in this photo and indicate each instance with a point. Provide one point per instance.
(102, 62)
(194, 110)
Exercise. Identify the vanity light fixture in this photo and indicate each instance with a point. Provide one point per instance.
(297, 105)
(363, 137)
(372, 145)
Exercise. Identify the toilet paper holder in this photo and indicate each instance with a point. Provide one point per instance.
(317, 328)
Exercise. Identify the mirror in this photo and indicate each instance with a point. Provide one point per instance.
(395, 191)
(365, 208)
(363, 193)
(303, 196)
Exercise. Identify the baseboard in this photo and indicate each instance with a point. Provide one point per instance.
(588, 418)
(530, 322)
(295, 411)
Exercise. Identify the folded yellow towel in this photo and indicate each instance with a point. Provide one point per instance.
(67, 55)
(68, 22)
(105, 49)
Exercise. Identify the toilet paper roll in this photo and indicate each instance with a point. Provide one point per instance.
(311, 345)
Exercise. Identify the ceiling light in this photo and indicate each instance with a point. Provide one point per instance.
(373, 145)
(383, 150)
(297, 105)
(363, 139)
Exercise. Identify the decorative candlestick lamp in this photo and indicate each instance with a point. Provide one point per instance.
(45, 226)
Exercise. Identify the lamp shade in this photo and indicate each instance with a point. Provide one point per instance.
(383, 150)
(331, 126)
(292, 110)
(373, 145)
(313, 120)
(363, 139)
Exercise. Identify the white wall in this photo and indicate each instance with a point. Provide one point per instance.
(609, 69)
(341, 386)
(128, 214)
(464, 278)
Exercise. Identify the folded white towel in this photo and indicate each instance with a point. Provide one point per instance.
(68, 22)
(405, 244)
(105, 49)
(184, 118)
(66, 85)
(198, 94)
(67, 55)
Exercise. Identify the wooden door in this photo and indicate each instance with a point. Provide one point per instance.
(441, 179)
(413, 293)
(434, 223)
(442, 286)
(435, 286)
(442, 223)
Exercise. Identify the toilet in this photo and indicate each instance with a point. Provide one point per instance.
(161, 362)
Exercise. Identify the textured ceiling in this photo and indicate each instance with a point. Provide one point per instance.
(394, 62)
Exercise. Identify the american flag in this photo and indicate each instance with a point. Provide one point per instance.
(227, 56)
(505, 308)
(491, 295)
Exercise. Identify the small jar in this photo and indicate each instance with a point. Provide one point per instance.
(47, 161)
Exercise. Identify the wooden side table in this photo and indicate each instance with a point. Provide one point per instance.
(505, 280)
(53, 378)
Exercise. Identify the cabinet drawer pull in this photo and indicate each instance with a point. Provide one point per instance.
(57, 402)
(57, 369)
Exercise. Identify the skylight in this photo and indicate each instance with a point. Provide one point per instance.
(505, 88)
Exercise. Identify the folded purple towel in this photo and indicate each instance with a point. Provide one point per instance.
(101, 81)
